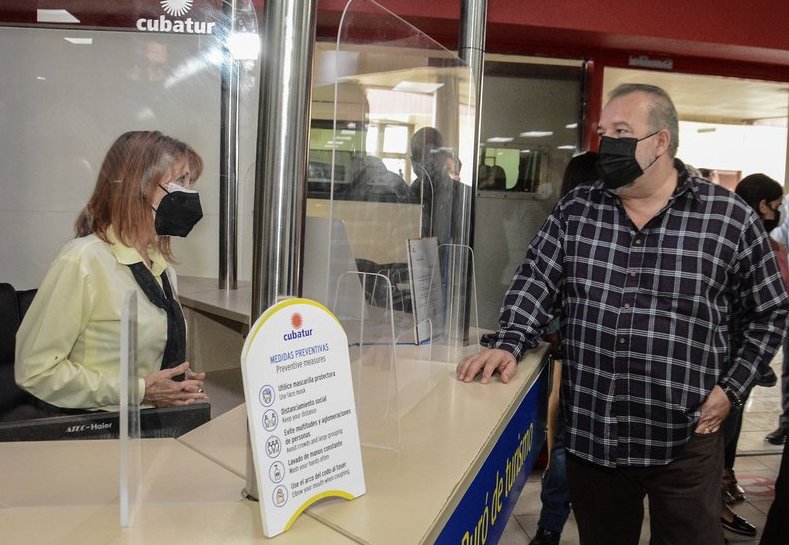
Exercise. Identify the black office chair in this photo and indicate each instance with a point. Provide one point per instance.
(13, 305)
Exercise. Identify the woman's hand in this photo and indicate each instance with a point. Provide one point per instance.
(162, 391)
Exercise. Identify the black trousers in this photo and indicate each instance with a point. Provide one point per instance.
(684, 498)
(776, 529)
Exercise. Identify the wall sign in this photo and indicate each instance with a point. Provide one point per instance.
(300, 410)
(171, 20)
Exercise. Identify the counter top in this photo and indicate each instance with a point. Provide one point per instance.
(444, 439)
(66, 492)
(204, 294)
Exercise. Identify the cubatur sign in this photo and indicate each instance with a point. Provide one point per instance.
(175, 8)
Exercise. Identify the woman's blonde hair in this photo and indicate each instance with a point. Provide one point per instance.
(135, 165)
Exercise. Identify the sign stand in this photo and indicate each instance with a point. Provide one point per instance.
(300, 411)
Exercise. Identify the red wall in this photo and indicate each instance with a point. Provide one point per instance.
(747, 31)
(716, 37)
(740, 38)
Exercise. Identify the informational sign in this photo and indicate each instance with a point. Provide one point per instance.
(425, 278)
(300, 410)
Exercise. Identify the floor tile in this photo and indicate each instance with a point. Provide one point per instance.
(513, 534)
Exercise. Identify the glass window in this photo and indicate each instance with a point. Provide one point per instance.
(531, 122)
(531, 126)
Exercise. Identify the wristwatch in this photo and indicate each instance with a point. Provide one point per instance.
(734, 398)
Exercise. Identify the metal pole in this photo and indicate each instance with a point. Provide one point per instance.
(280, 178)
(228, 158)
(471, 48)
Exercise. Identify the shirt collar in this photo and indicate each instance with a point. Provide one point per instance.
(685, 182)
(126, 255)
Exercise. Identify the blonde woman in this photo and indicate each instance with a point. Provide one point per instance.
(68, 345)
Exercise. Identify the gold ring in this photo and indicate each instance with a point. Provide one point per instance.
(707, 430)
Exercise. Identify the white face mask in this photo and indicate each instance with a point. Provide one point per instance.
(174, 187)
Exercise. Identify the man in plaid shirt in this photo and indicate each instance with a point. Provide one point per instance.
(671, 303)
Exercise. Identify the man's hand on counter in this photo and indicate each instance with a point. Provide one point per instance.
(493, 360)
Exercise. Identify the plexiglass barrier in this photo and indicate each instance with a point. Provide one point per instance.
(457, 318)
(129, 432)
(69, 91)
(71, 85)
(389, 164)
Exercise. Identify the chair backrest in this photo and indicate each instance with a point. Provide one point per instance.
(9, 323)
(24, 298)
(13, 306)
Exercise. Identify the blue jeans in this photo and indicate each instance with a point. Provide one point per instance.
(555, 493)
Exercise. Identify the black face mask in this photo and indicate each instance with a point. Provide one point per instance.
(616, 162)
(769, 225)
(178, 212)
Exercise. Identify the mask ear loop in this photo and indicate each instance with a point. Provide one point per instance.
(657, 156)
(163, 189)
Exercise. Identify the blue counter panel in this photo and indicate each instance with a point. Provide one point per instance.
(482, 514)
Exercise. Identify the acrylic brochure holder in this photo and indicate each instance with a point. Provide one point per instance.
(129, 432)
(402, 129)
(457, 319)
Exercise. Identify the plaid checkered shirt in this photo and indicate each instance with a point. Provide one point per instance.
(651, 319)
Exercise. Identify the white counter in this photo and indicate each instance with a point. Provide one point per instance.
(456, 441)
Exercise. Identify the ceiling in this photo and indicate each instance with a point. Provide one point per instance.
(712, 99)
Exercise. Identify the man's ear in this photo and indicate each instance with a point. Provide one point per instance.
(763, 207)
(664, 141)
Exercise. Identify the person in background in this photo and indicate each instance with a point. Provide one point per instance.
(651, 271)
(433, 186)
(693, 171)
(453, 166)
(499, 178)
(554, 492)
(778, 436)
(68, 345)
(776, 527)
(492, 177)
(709, 175)
(763, 195)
